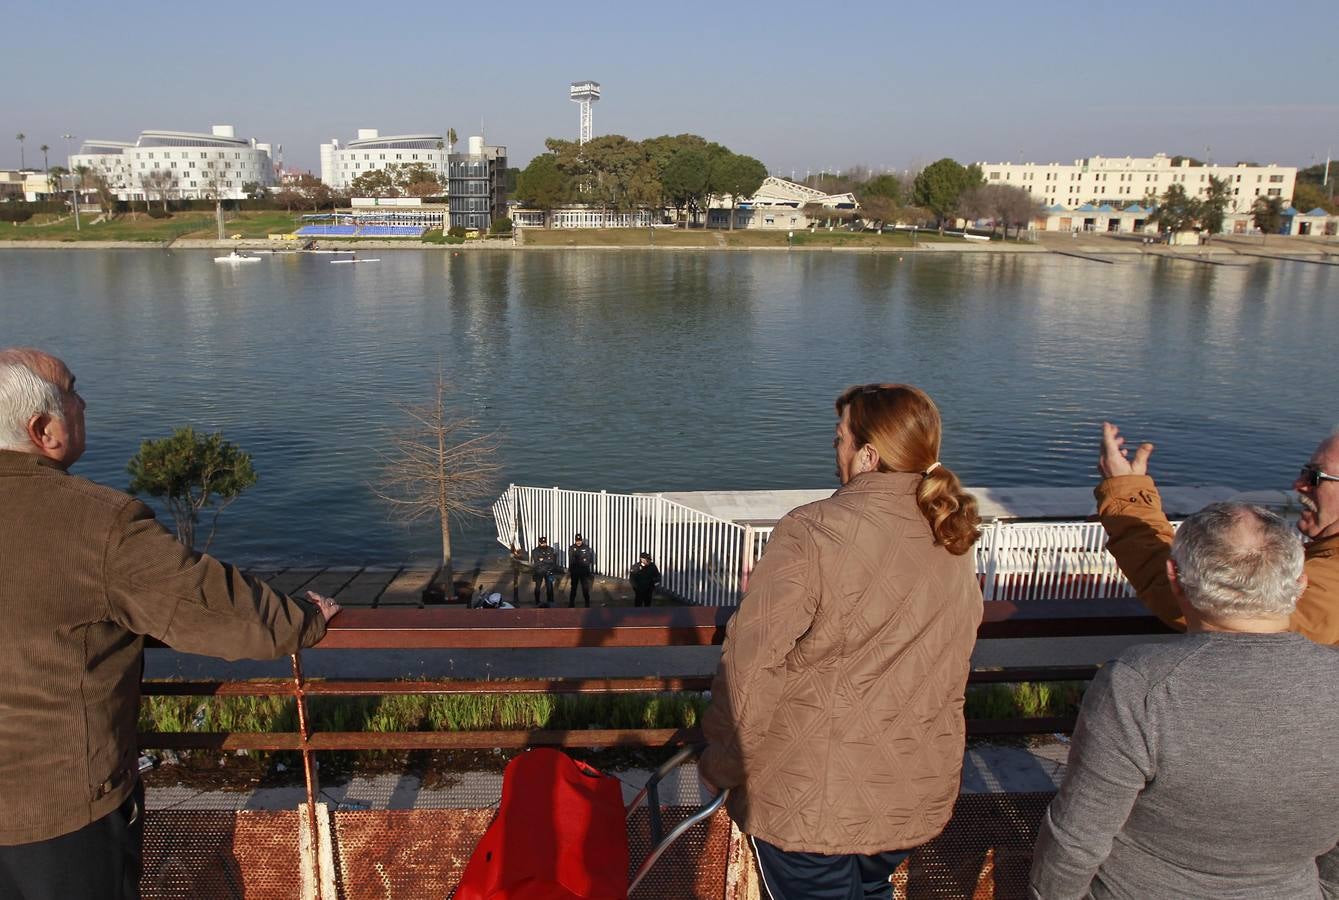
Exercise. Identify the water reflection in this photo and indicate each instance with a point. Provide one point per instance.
(673, 370)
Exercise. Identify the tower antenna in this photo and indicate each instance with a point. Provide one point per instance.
(586, 93)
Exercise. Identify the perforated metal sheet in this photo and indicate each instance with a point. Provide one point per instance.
(220, 855)
(984, 853)
(404, 854)
(694, 867)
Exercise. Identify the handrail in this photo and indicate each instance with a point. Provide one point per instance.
(422, 629)
(627, 628)
(688, 626)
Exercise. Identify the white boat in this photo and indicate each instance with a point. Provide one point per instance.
(235, 257)
(337, 262)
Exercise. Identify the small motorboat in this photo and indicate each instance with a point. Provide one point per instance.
(235, 257)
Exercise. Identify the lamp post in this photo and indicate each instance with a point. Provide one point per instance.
(69, 160)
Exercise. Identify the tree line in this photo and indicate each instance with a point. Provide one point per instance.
(616, 174)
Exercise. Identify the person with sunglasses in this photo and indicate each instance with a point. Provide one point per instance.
(1140, 537)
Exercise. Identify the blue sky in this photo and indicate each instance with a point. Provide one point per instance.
(800, 86)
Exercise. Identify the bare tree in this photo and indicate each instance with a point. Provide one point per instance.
(438, 465)
(1004, 204)
(162, 182)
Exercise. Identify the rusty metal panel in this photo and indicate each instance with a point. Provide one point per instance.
(404, 854)
(209, 855)
(985, 853)
(694, 868)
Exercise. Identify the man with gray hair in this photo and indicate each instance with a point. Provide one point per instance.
(85, 574)
(1204, 766)
(1139, 535)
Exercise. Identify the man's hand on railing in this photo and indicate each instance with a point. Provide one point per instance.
(328, 607)
(1114, 459)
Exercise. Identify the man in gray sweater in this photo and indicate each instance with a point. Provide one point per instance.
(1207, 766)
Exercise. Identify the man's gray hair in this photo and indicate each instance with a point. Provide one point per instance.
(24, 394)
(1236, 560)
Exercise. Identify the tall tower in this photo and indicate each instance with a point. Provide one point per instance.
(586, 93)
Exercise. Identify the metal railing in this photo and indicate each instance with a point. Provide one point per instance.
(707, 560)
(357, 629)
(701, 558)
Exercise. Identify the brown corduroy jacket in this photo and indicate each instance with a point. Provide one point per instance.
(836, 714)
(85, 573)
(1140, 538)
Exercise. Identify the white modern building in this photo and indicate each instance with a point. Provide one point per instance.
(109, 160)
(180, 164)
(1122, 181)
(474, 181)
(777, 204)
(342, 163)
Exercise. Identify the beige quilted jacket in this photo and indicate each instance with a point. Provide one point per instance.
(836, 714)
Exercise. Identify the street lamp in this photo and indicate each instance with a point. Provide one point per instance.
(69, 161)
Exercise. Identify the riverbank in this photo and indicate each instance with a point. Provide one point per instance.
(280, 248)
(1095, 247)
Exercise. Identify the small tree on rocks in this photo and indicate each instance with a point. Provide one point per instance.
(191, 473)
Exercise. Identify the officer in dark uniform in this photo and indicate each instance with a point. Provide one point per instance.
(581, 569)
(544, 567)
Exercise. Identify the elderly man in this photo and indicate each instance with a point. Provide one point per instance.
(1205, 766)
(87, 573)
(1139, 534)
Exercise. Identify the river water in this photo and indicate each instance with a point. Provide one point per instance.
(636, 371)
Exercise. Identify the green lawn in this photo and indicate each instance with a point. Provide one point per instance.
(129, 227)
(823, 238)
(667, 237)
(258, 224)
(618, 237)
(140, 227)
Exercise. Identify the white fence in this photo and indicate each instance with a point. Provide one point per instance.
(701, 558)
(706, 560)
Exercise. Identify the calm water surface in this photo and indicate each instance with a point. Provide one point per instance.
(672, 371)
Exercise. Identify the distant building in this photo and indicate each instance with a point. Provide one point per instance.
(179, 164)
(585, 216)
(777, 204)
(1121, 182)
(342, 163)
(476, 184)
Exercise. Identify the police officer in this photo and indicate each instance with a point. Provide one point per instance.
(581, 569)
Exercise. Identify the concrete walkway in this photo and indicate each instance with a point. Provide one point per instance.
(987, 769)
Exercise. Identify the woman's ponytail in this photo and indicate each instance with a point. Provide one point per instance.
(949, 509)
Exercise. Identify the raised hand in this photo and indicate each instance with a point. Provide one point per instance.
(1114, 459)
(329, 608)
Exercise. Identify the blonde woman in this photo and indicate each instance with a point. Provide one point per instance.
(836, 714)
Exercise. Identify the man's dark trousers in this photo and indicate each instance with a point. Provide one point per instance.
(547, 581)
(585, 578)
(100, 861)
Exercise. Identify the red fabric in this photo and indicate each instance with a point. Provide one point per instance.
(559, 834)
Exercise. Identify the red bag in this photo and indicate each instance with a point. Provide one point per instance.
(559, 834)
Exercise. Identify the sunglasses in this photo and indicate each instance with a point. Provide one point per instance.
(1313, 476)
